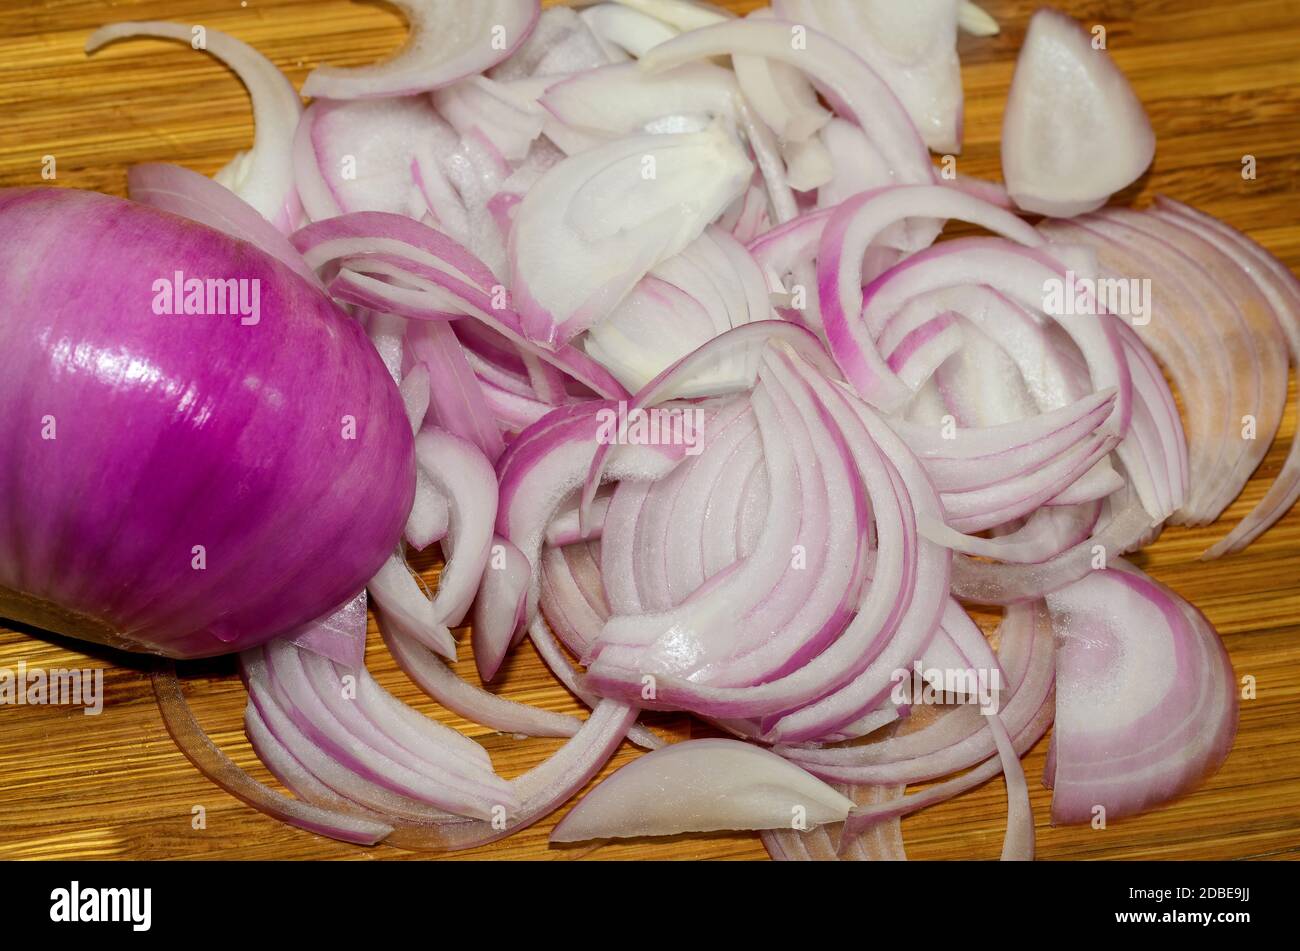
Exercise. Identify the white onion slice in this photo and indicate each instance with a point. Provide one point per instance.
(625, 29)
(702, 786)
(449, 40)
(596, 223)
(1074, 131)
(264, 176)
(913, 46)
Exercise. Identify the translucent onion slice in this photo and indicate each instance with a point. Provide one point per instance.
(357, 156)
(561, 44)
(437, 269)
(441, 778)
(221, 769)
(540, 791)
(1210, 350)
(958, 739)
(340, 635)
(1020, 274)
(475, 704)
(1264, 333)
(548, 463)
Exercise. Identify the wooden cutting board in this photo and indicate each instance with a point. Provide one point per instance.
(1221, 80)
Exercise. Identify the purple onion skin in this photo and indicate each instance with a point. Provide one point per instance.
(171, 432)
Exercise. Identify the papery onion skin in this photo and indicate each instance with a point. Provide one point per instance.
(186, 485)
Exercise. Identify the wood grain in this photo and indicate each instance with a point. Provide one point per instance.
(1221, 79)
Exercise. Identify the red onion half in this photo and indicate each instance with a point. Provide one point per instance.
(186, 484)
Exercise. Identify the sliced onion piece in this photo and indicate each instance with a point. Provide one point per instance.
(766, 615)
(217, 766)
(1265, 340)
(708, 289)
(357, 156)
(853, 228)
(915, 619)
(573, 596)
(1146, 698)
(448, 42)
(1018, 845)
(959, 738)
(399, 597)
(430, 515)
(546, 465)
(323, 711)
(397, 246)
(974, 458)
(457, 403)
(288, 752)
(781, 95)
(562, 44)
(702, 786)
(264, 176)
(505, 117)
(499, 608)
(1126, 523)
(1020, 274)
(1019, 821)
(809, 165)
(912, 46)
(462, 475)
(681, 376)
(681, 15)
(597, 223)
(1047, 533)
(540, 791)
(883, 842)
(621, 28)
(852, 88)
(1282, 289)
(291, 772)
(1074, 132)
(974, 20)
(1203, 339)
(473, 703)
(621, 99)
(905, 594)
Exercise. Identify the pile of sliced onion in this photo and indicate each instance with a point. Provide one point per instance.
(706, 409)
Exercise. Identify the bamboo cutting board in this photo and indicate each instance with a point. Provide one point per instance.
(1221, 80)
